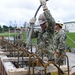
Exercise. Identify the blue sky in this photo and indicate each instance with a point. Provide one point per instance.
(23, 10)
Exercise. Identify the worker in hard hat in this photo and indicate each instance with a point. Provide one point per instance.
(45, 37)
(60, 41)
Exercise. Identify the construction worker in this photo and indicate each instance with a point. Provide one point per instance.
(45, 36)
(59, 42)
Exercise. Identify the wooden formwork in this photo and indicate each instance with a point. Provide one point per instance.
(7, 68)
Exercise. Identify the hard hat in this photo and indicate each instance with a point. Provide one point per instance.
(42, 19)
(59, 22)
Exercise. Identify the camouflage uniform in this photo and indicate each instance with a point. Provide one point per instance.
(59, 43)
(45, 37)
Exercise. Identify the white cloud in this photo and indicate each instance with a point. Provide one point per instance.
(23, 10)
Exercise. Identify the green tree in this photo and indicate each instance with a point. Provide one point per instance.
(11, 28)
(5, 28)
(0, 29)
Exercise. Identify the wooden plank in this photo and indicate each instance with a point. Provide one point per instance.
(4, 53)
(2, 49)
(22, 71)
(6, 65)
(16, 59)
(18, 71)
(0, 65)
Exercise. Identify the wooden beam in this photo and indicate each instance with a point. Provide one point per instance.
(18, 71)
(6, 65)
(4, 53)
(2, 49)
(16, 59)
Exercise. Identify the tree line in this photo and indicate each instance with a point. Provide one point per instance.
(6, 28)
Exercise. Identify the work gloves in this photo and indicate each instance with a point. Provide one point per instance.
(43, 3)
(57, 54)
(32, 21)
(45, 59)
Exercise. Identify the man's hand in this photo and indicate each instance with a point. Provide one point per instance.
(32, 20)
(45, 59)
(43, 3)
(57, 54)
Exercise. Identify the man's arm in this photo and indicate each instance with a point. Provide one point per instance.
(50, 19)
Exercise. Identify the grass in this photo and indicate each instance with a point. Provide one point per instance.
(24, 34)
(7, 34)
(68, 41)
